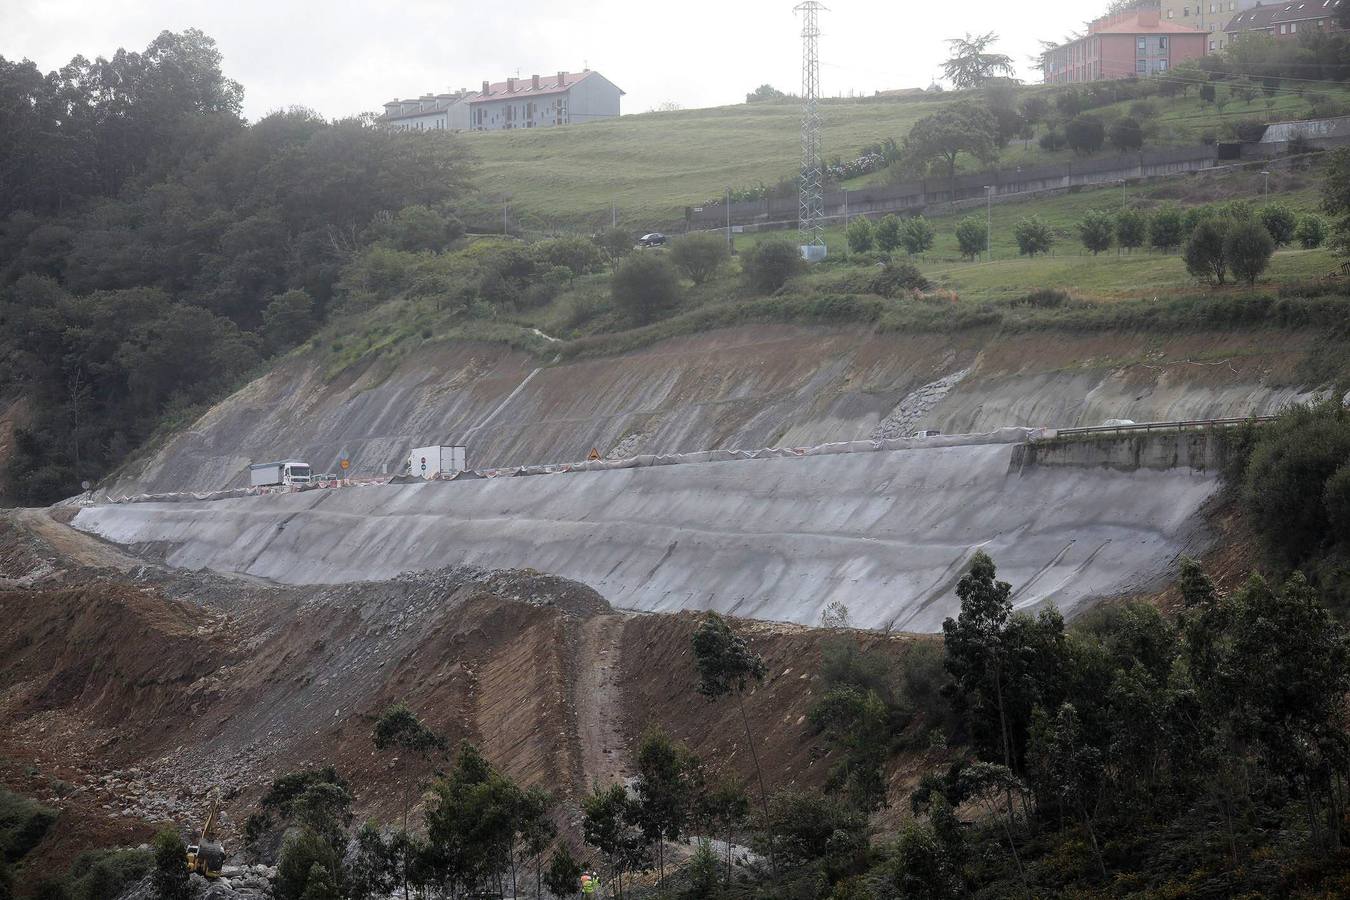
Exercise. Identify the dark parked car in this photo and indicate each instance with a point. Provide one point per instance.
(655, 239)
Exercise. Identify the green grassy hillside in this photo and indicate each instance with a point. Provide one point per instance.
(652, 165)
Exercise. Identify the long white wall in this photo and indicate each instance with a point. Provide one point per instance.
(886, 533)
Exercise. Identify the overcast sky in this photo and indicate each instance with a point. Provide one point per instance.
(347, 56)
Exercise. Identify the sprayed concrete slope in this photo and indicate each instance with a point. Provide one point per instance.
(739, 388)
(887, 533)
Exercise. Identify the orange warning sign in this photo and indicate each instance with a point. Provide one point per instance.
(594, 454)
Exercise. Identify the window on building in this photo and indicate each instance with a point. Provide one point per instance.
(1211, 7)
(1284, 29)
(1162, 65)
(1211, 45)
(1185, 11)
(1141, 66)
(1293, 27)
(1169, 14)
(1143, 43)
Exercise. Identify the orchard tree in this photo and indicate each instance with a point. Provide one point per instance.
(887, 233)
(1131, 228)
(972, 64)
(1206, 253)
(860, 235)
(1033, 236)
(1097, 230)
(917, 235)
(1165, 229)
(972, 235)
(1281, 223)
(1311, 231)
(1248, 246)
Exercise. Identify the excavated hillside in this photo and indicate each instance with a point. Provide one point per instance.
(737, 388)
(128, 691)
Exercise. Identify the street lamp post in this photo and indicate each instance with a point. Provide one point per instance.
(1265, 175)
(988, 223)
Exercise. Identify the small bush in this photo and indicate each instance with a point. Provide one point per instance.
(1085, 133)
(1279, 220)
(770, 264)
(171, 875)
(1126, 134)
(1311, 232)
(1051, 141)
(577, 255)
(645, 286)
(700, 256)
(895, 278)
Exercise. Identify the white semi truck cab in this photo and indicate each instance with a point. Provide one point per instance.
(289, 472)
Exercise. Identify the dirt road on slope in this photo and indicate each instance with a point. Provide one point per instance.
(604, 758)
(72, 547)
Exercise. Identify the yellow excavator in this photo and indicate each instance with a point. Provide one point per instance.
(207, 855)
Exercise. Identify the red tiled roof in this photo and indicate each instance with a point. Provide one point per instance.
(548, 84)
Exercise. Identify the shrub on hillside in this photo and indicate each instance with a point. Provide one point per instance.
(860, 235)
(1126, 134)
(614, 244)
(302, 851)
(699, 256)
(1131, 228)
(1085, 133)
(1033, 236)
(1281, 223)
(171, 875)
(897, 277)
(916, 235)
(1165, 230)
(887, 233)
(1247, 247)
(1205, 252)
(645, 286)
(1097, 230)
(770, 264)
(580, 256)
(1051, 140)
(972, 236)
(1293, 486)
(1311, 231)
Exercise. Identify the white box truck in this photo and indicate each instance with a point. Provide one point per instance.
(283, 472)
(428, 462)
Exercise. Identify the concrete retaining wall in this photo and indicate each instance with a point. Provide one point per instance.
(886, 533)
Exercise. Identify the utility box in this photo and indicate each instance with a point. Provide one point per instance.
(432, 461)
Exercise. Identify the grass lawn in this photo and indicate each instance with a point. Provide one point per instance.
(1106, 276)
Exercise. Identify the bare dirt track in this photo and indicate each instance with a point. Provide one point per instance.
(599, 700)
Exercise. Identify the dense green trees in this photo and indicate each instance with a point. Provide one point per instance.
(153, 246)
(1097, 230)
(1033, 236)
(770, 263)
(860, 234)
(699, 256)
(940, 138)
(972, 236)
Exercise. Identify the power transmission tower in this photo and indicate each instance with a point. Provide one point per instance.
(811, 216)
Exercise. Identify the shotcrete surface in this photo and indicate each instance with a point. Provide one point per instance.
(886, 533)
(737, 388)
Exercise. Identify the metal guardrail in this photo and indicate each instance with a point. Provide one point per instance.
(1184, 425)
